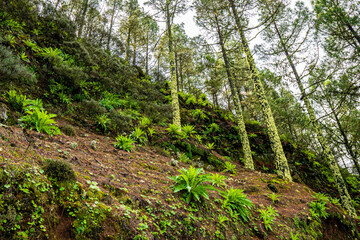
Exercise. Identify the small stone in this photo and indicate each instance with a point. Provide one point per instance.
(273, 188)
(3, 113)
(174, 162)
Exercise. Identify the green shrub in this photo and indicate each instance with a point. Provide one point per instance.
(41, 121)
(124, 143)
(145, 122)
(210, 146)
(69, 130)
(51, 53)
(229, 167)
(102, 122)
(139, 136)
(237, 203)
(274, 197)
(213, 127)
(198, 114)
(93, 108)
(33, 104)
(217, 179)
(111, 101)
(16, 100)
(193, 183)
(187, 131)
(268, 216)
(173, 129)
(191, 100)
(12, 69)
(59, 171)
(318, 210)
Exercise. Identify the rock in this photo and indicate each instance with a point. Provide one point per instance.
(3, 113)
(174, 162)
(272, 187)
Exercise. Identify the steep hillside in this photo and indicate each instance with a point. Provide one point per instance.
(120, 195)
(88, 151)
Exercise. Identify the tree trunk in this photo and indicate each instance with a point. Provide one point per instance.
(147, 54)
(281, 163)
(134, 49)
(339, 181)
(83, 15)
(177, 71)
(173, 83)
(249, 163)
(110, 27)
(127, 56)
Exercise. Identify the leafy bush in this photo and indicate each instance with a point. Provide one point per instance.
(217, 179)
(213, 127)
(191, 100)
(274, 197)
(173, 129)
(51, 53)
(12, 69)
(151, 131)
(268, 216)
(144, 121)
(198, 114)
(124, 143)
(184, 158)
(16, 100)
(41, 121)
(229, 167)
(33, 104)
(318, 209)
(59, 171)
(92, 108)
(198, 138)
(139, 135)
(210, 146)
(193, 183)
(68, 130)
(103, 121)
(188, 131)
(111, 101)
(237, 203)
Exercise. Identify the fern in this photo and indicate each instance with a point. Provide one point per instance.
(103, 121)
(188, 131)
(217, 179)
(191, 100)
(198, 114)
(237, 203)
(16, 101)
(268, 215)
(193, 183)
(229, 167)
(41, 121)
(139, 135)
(173, 129)
(124, 143)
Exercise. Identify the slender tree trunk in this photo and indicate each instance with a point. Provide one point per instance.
(147, 54)
(83, 15)
(281, 163)
(249, 163)
(57, 4)
(177, 71)
(181, 74)
(134, 48)
(334, 167)
(127, 56)
(111, 26)
(346, 142)
(173, 83)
